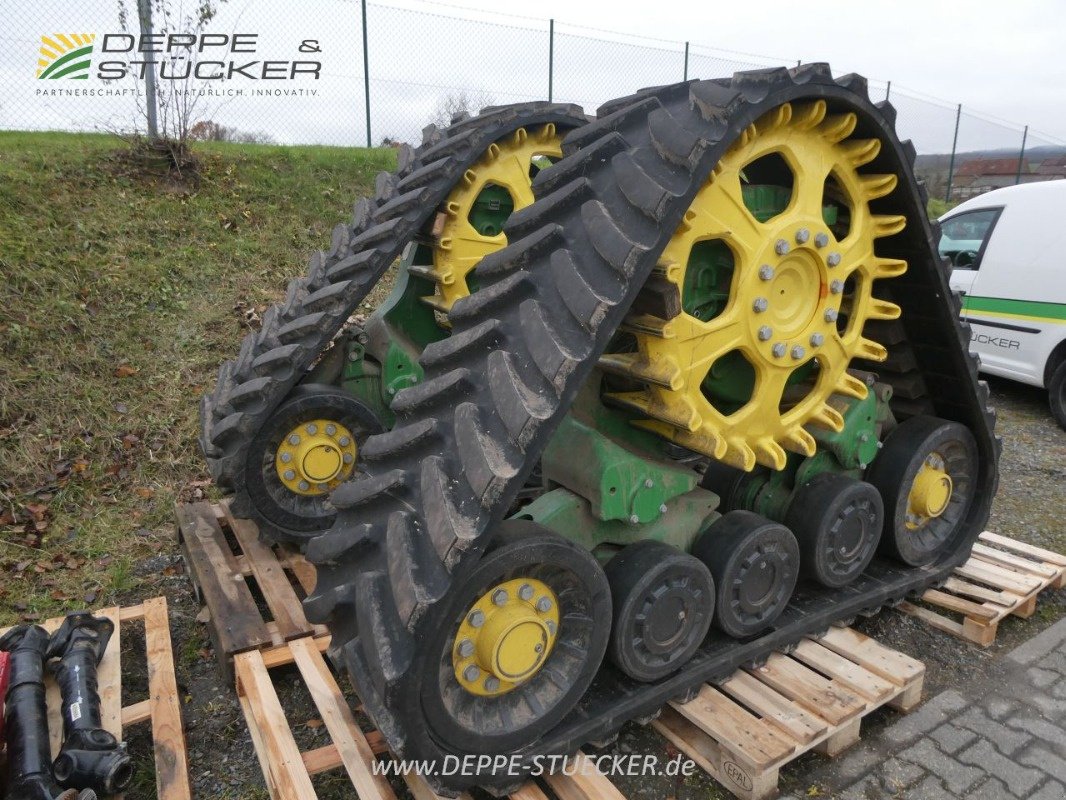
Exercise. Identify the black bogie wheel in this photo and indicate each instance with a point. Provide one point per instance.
(906, 449)
(463, 722)
(837, 521)
(297, 517)
(755, 564)
(1057, 394)
(663, 602)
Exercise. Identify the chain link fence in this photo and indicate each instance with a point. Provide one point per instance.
(380, 72)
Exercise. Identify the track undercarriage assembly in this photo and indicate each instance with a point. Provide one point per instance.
(699, 392)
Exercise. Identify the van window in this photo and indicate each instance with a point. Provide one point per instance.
(964, 236)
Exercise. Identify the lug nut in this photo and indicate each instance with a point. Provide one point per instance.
(662, 508)
(544, 605)
(760, 304)
(766, 272)
(817, 339)
(798, 352)
(525, 592)
(802, 235)
(648, 483)
(821, 239)
(833, 260)
(304, 486)
(344, 441)
(831, 315)
(778, 350)
(765, 332)
(492, 684)
(633, 518)
(289, 474)
(286, 458)
(781, 247)
(836, 287)
(466, 648)
(331, 429)
(348, 458)
(476, 618)
(312, 429)
(500, 597)
(294, 439)
(552, 627)
(471, 673)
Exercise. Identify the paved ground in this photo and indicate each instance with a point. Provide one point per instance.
(1000, 737)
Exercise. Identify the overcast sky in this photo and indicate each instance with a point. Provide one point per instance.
(1001, 59)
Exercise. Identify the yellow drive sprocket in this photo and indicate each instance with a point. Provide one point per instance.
(798, 296)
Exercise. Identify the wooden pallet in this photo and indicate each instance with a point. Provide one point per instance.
(1002, 578)
(225, 570)
(741, 732)
(161, 707)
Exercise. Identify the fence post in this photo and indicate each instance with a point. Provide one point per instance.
(1021, 156)
(951, 163)
(888, 90)
(366, 78)
(551, 56)
(144, 12)
(686, 62)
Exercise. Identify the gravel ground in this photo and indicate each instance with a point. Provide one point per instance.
(1028, 506)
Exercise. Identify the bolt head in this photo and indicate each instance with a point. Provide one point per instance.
(525, 592)
(294, 439)
(778, 350)
(471, 673)
(552, 627)
(648, 483)
(831, 315)
(500, 597)
(476, 618)
(833, 260)
(781, 247)
(466, 648)
(817, 339)
(798, 352)
(544, 605)
(344, 441)
(286, 458)
(312, 429)
(864, 436)
(348, 458)
(289, 474)
(821, 239)
(802, 235)
(836, 287)
(766, 272)
(538, 648)
(633, 518)
(304, 486)
(331, 429)
(662, 508)
(760, 304)
(492, 683)
(765, 332)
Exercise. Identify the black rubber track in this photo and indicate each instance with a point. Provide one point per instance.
(442, 480)
(273, 359)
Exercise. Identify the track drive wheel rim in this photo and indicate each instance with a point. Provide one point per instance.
(315, 457)
(792, 281)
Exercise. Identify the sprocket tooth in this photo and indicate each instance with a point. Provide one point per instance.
(634, 365)
(739, 454)
(883, 309)
(851, 386)
(699, 441)
(770, 454)
(647, 404)
(871, 350)
(889, 267)
(888, 224)
(809, 116)
(799, 441)
(875, 186)
(827, 417)
(778, 118)
(859, 152)
(838, 127)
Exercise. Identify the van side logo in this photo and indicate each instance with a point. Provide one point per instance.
(65, 55)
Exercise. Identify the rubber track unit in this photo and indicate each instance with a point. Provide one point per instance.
(438, 484)
(272, 360)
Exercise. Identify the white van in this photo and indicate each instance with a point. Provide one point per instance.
(1008, 253)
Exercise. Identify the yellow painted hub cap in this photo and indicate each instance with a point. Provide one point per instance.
(315, 457)
(930, 493)
(505, 637)
(792, 278)
(459, 245)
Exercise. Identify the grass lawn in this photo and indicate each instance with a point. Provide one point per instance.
(121, 292)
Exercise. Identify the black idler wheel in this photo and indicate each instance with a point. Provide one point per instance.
(663, 604)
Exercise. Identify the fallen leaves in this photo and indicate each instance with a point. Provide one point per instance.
(125, 371)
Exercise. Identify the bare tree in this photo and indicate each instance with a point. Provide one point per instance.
(459, 104)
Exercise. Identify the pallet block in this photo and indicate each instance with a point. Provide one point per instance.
(223, 571)
(1002, 578)
(162, 707)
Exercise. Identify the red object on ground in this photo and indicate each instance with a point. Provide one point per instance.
(5, 661)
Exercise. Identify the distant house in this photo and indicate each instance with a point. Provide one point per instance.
(980, 175)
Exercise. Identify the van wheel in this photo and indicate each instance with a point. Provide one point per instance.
(1057, 394)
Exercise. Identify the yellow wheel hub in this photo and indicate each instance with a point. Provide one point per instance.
(930, 492)
(507, 163)
(315, 457)
(505, 637)
(791, 280)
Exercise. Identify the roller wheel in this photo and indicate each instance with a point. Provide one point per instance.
(755, 564)
(308, 447)
(663, 602)
(519, 642)
(837, 521)
(1057, 394)
(925, 474)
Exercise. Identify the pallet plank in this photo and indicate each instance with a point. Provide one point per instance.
(355, 752)
(280, 755)
(756, 741)
(999, 577)
(983, 593)
(882, 661)
(1014, 562)
(1050, 556)
(847, 673)
(171, 766)
(826, 698)
(586, 782)
(976, 611)
(790, 718)
(234, 616)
